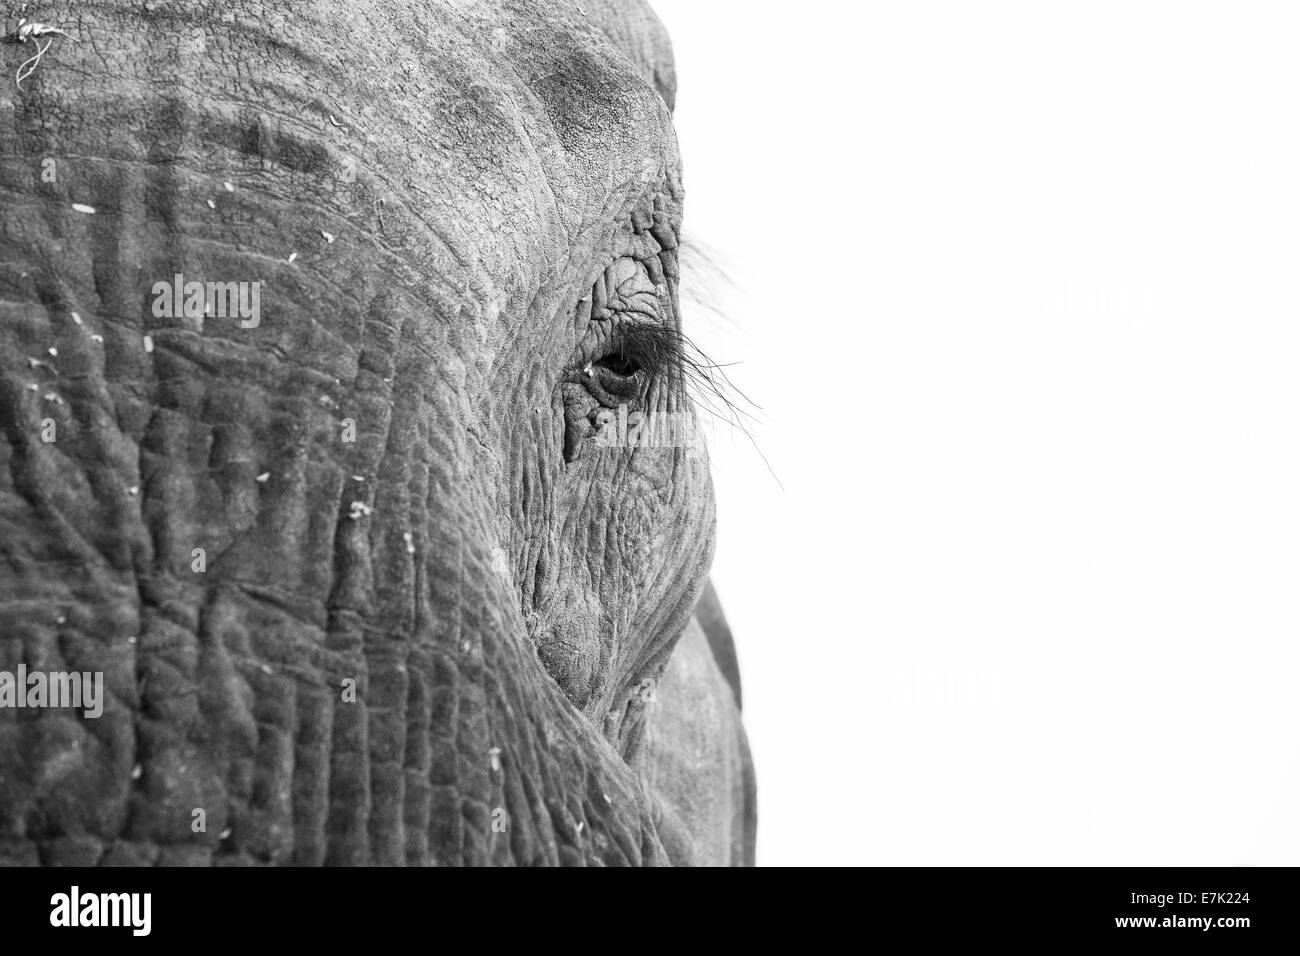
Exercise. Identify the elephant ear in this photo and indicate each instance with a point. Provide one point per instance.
(703, 818)
(714, 624)
(634, 28)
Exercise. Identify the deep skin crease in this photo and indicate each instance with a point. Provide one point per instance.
(454, 209)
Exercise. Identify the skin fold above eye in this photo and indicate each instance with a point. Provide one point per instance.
(628, 286)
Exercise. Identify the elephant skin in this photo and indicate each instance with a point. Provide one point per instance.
(362, 586)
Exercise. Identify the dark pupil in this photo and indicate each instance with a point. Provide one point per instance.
(619, 365)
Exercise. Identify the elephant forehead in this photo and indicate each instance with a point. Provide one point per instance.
(634, 29)
(505, 129)
(580, 96)
(535, 126)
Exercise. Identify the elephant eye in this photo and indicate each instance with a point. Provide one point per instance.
(633, 356)
(632, 353)
(620, 365)
(639, 362)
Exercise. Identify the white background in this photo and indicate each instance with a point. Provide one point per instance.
(1020, 298)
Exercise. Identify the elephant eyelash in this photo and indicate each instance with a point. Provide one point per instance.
(650, 347)
(667, 353)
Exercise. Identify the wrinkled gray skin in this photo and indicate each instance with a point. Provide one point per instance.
(515, 605)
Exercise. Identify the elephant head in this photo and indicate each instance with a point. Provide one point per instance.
(319, 337)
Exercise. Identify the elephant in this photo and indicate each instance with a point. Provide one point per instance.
(312, 319)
